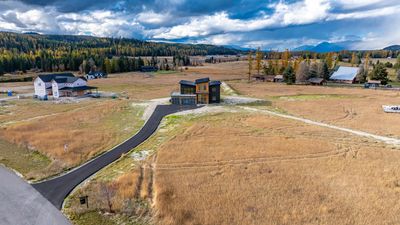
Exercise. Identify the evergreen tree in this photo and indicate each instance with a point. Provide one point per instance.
(289, 76)
(250, 62)
(325, 73)
(380, 73)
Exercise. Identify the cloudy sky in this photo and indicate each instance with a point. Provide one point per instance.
(360, 24)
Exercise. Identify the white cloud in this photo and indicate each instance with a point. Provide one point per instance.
(153, 18)
(304, 12)
(385, 11)
(352, 4)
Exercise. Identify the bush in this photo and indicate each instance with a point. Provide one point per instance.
(388, 64)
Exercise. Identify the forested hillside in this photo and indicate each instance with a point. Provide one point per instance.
(21, 52)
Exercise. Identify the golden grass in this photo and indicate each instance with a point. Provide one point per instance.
(140, 86)
(74, 136)
(268, 170)
(356, 108)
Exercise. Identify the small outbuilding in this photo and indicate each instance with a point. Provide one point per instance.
(278, 78)
(316, 81)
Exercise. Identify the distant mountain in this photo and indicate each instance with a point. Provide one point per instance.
(304, 48)
(321, 47)
(393, 48)
(236, 47)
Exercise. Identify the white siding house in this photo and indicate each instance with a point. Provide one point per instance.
(60, 85)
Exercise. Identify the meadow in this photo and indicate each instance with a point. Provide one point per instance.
(232, 167)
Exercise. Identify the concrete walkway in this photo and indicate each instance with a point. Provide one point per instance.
(21, 204)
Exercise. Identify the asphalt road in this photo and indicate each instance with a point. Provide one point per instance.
(23, 205)
(56, 190)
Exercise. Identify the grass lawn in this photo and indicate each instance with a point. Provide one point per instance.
(22, 159)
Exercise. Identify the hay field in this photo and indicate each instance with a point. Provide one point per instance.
(65, 134)
(355, 108)
(265, 170)
(144, 86)
(268, 170)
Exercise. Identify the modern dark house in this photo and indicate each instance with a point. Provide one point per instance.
(201, 91)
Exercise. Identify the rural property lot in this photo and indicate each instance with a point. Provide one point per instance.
(271, 169)
(354, 108)
(242, 167)
(265, 168)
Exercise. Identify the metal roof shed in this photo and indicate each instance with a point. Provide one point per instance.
(345, 74)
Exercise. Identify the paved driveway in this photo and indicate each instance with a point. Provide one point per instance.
(55, 190)
(21, 204)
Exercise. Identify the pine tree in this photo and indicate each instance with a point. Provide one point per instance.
(325, 71)
(289, 76)
(329, 60)
(250, 61)
(380, 73)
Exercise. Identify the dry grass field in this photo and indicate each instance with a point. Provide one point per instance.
(354, 108)
(140, 86)
(249, 168)
(66, 134)
(266, 170)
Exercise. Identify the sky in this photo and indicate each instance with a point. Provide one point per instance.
(269, 24)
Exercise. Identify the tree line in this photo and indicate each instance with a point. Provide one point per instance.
(53, 53)
(297, 69)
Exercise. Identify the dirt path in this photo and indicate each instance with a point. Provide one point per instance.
(387, 140)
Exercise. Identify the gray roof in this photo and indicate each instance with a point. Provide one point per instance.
(202, 80)
(61, 79)
(49, 77)
(187, 82)
(345, 73)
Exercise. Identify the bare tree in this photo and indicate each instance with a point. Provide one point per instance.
(108, 191)
(302, 72)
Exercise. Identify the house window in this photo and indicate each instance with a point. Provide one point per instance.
(214, 89)
(39, 84)
(214, 98)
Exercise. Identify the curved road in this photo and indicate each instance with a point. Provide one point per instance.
(56, 190)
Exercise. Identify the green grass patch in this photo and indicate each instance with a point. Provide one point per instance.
(256, 103)
(22, 159)
(166, 72)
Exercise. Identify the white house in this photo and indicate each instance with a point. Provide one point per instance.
(60, 85)
(345, 74)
